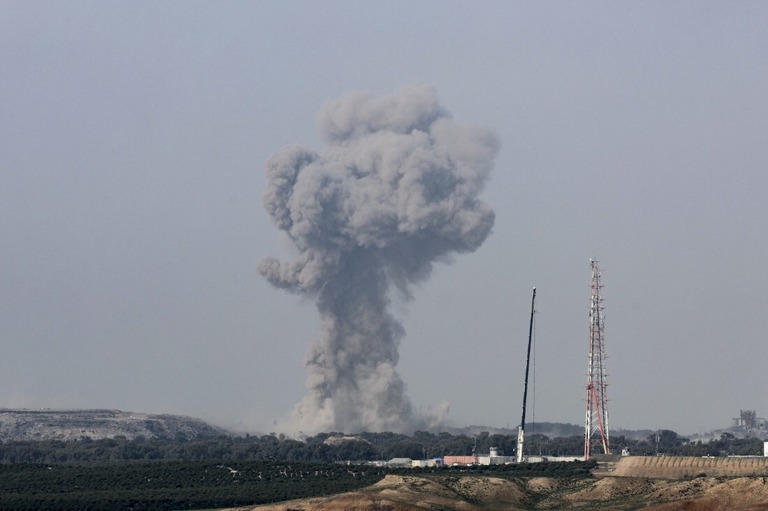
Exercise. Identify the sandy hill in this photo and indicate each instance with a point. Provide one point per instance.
(682, 467)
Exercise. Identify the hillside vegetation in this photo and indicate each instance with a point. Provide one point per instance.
(26, 425)
(334, 447)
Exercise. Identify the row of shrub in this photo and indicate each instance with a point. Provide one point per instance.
(171, 485)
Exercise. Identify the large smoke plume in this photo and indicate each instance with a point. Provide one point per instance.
(395, 192)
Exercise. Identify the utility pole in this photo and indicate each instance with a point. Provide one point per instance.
(596, 421)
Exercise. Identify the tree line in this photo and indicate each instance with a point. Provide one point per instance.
(664, 441)
(334, 447)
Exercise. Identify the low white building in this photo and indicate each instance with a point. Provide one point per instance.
(493, 458)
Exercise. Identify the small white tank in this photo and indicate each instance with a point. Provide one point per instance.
(495, 451)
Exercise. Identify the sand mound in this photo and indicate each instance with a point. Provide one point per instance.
(406, 493)
(681, 467)
(710, 494)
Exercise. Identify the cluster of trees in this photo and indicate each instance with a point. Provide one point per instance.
(662, 442)
(367, 447)
(222, 448)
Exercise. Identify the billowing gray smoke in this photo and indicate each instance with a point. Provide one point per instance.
(396, 191)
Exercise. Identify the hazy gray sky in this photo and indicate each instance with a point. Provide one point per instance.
(133, 144)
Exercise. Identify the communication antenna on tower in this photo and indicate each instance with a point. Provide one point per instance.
(596, 423)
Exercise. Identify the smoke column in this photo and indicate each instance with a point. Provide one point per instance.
(395, 192)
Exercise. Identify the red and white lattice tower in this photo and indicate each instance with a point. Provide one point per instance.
(596, 423)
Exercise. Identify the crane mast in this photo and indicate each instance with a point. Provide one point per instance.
(521, 429)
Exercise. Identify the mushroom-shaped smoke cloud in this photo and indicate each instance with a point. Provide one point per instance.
(395, 192)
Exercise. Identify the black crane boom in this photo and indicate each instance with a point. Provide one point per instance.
(521, 431)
